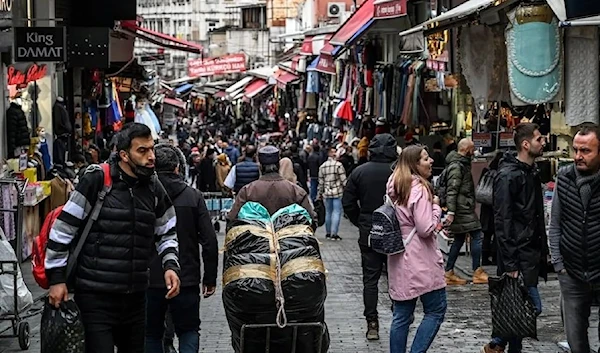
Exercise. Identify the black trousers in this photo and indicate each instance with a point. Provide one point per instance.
(113, 320)
(372, 267)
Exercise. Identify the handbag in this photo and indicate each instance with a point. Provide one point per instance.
(513, 312)
(484, 193)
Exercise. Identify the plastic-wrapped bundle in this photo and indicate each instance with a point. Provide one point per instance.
(255, 244)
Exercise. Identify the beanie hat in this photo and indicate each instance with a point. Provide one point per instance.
(268, 155)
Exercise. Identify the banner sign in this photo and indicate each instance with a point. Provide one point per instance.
(227, 64)
(33, 73)
(507, 139)
(482, 139)
(40, 44)
(389, 9)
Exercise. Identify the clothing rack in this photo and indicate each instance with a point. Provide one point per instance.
(19, 185)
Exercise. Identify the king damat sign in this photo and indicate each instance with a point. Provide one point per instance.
(39, 44)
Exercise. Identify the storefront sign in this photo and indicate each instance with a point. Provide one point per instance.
(482, 139)
(227, 64)
(507, 139)
(39, 44)
(325, 64)
(6, 5)
(33, 73)
(389, 9)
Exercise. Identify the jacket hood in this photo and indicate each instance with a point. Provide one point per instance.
(509, 160)
(172, 183)
(457, 157)
(383, 148)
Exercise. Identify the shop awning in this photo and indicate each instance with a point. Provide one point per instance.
(325, 64)
(220, 94)
(312, 45)
(306, 48)
(240, 84)
(286, 78)
(184, 88)
(174, 102)
(313, 64)
(457, 14)
(357, 20)
(255, 87)
(160, 39)
(361, 31)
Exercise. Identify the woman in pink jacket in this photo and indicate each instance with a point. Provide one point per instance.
(419, 271)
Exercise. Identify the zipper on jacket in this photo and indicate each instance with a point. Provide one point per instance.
(130, 290)
(585, 245)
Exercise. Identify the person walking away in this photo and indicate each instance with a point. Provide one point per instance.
(519, 221)
(222, 170)
(462, 219)
(363, 194)
(332, 180)
(300, 167)
(345, 157)
(314, 162)
(272, 191)
(233, 153)
(207, 177)
(286, 170)
(194, 227)
(244, 172)
(417, 273)
(111, 275)
(574, 248)
(489, 248)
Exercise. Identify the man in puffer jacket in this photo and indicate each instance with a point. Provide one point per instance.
(363, 194)
(462, 218)
(17, 132)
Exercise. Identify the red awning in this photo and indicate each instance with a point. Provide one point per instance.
(255, 87)
(306, 48)
(174, 102)
(358, 19)
(286, 78)
(160, 39)
(220, 94)
(325, 64)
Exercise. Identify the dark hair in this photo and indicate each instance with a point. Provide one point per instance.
(79, 158)
(316, 148)
(133, 131)
(294, 148)
(286, 154)
(250, 151)
(524, 131)
(166, 158)
(269, 168)
(437, 145)
(587, 129)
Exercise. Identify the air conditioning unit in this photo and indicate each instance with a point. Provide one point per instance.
(336, 9)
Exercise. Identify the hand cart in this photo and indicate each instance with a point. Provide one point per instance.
(19, 327)
(218, 204)
(294, 326)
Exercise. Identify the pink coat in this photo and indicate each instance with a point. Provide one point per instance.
(420, 269)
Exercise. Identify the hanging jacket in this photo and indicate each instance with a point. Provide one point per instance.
(61, 123)
(17, 132)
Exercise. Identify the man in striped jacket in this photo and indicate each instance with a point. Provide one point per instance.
(111, 276)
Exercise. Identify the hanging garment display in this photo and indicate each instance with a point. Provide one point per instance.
(144, 116)
(17, 131)
(534, 55)
(581, 75)
(477, 60)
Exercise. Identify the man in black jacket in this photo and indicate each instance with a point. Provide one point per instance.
(314, 163)
(363, 194)
(519, 221)
(111, 276)
(193, 227)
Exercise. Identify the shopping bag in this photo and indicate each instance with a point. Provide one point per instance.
(513, 311)
(61, 330)
(484, 193)
(7, 282)
(320, 211)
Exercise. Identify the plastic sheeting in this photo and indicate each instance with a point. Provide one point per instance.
(253, 244)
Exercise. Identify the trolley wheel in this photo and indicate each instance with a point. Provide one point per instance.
(24, 332)
(217, 226)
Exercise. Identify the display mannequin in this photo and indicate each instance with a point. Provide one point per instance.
(17, 131)
(43, 147)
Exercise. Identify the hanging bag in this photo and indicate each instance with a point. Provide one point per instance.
(513, 312)
(7, 281)
(484, 193)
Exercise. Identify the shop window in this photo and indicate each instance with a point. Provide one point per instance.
(255, 17)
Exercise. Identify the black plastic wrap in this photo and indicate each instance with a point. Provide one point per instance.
(62, 329)
(252, 300)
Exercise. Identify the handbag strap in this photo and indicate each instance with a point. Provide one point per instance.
(107, 186)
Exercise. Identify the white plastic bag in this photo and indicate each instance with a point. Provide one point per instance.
(7, 291)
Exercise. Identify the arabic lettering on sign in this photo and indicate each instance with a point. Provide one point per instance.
(33, 73)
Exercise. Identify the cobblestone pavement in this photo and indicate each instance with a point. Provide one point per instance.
(466, 329)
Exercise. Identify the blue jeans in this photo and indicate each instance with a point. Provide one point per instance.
(434, 307)
(333, 215)
(516, 344)
(459, 240)
(185, 311)
(314, 188)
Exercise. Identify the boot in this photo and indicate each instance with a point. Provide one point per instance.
(373, 330)
(488, 349)
(480, 277)
(168, 347)
(453, 279)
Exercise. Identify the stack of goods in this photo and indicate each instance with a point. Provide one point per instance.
(273, 274)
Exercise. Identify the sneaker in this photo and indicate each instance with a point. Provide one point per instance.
(336, 237)
(169, 348)
(453, 279)
(328, 236)
(488, 349)
(480, 277)
(373, 330)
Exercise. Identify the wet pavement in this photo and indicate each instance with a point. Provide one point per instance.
(466, 329)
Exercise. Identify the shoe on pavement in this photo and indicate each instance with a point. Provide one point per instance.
(373, 330)
(480, 277)
(336, 237)
(488, 349)
(169, 348)
(328, 236)
(452, 279)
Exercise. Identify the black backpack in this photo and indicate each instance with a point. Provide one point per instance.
(386, 236)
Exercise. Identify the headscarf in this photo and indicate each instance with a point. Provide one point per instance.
(286, 170)
(222, 159)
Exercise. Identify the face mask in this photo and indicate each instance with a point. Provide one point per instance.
(141, 171)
